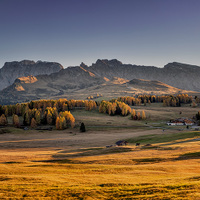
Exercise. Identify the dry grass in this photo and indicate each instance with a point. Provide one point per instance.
(72, 165)
(86, 171)
(156, 114)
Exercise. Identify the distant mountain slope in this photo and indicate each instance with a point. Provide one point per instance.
(65, 84)
(179, 75)
(108, 77)
(49, 86)
(12, 70)
(121, 87)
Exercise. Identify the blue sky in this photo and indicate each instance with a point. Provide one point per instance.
(143, 32)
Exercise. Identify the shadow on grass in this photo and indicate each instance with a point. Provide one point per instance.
(4, 178)
(162, 138)
(150, 160)
(159, 147)
(195, 178)
(93, 152)
(65, 156)
(11, 162)
(187, 156)
(140, 191)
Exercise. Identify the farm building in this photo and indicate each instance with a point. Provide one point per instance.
(181, 122)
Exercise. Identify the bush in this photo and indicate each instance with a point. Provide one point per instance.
(82, 127)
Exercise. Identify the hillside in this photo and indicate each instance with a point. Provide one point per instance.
(178, 75)
(13, 70)
(65, 85)
(64, 82)
(110, 78)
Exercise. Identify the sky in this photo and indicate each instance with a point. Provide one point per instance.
(142, 32)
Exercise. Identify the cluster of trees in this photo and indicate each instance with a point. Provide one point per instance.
(175, 101)
(141, 99)
(44, 112)
(9, 110)
(171, 101)
(61, 105)
(94, 97)
(137, 115)
(90, 105)
(167, 100)
(50, 116)
(114, 108)
(132, 101)
(64, 120)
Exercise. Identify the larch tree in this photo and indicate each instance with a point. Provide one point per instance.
(3, 120)
(133, 113)
(49, 118)
(138, 115)
(58, 123)
(143, 115)
(33, 123)
(38, 117)
(16, 121)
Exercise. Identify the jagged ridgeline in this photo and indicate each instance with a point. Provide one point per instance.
(27, 80)
(13, 70)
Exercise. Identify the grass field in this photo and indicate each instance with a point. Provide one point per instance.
(157, 116)
(72, 165)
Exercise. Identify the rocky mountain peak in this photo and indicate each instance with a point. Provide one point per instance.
(13, 70)
(106, 62)
(83, 65)
(114, 62)
(17, 64)
(181, 66)
(101, 62)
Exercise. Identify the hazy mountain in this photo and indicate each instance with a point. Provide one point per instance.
(179, 75)
(65, 81)
(12, 70)
(79, 86)
(108, 77)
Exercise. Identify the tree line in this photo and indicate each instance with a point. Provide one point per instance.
(44, 112)
(167, 100)
(115, 107)
(61, 105)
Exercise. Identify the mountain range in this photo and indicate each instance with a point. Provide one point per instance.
(13, 70)
(27, 80)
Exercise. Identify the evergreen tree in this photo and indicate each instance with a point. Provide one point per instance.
(82, 127)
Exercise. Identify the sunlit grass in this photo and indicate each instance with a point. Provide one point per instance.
(67, 165)
(150, 139)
